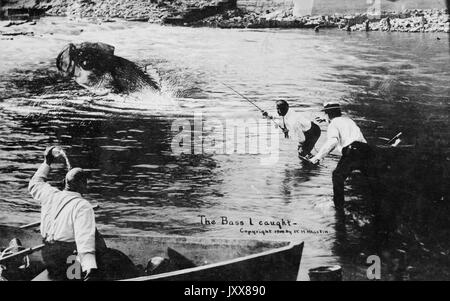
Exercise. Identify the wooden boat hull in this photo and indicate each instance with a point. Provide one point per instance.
(215, 259)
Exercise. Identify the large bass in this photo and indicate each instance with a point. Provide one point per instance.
(95, 67)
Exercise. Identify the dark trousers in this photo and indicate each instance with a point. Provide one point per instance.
(356, 156)
(55, 256)
(311, 137)
(112, 264)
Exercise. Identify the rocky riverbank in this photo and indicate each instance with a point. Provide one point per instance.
(155, 11)
(223, 14)
(406, 21)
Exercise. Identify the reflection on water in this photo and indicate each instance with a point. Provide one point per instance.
(388, 82)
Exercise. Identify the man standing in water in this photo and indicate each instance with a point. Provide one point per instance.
(344, 134)
(296, 126)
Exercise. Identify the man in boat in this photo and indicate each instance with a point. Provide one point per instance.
(295, 126)
(68, 228)
(346, 136)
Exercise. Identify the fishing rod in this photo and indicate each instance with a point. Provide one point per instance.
(24, 252)
(254, 104)
(243, 97)
(394, 138)
(393, 142)
(27, 251)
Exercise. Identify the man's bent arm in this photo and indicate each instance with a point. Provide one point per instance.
(326, 149)
(84, 228)
(38, 187)
(301, 136)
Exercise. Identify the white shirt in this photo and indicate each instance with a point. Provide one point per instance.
(345, 131)
(342, 131)
(75, 220)
(297, 124)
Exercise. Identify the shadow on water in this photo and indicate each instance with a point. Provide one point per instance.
(387, 82)
(407, 221)
(130, 162)
(133, 171)
(22, 83)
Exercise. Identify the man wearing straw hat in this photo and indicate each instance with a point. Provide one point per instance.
(346, 136)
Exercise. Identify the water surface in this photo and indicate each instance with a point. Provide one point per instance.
(387, 82)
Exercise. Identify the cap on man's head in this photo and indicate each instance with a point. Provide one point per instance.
(331, 106)
(282, 107)
(75, 179)
(282, 103)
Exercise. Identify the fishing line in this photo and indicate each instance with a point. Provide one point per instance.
(243, 97)
(271, 118)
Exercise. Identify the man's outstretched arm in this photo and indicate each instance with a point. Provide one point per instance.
(330, 144)
(325, 150)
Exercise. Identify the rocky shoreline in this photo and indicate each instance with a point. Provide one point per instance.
(154, 11)
(223, 14)
(407, 21)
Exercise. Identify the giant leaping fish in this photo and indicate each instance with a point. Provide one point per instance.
(95, 67)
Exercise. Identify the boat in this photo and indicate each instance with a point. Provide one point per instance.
(214, 259)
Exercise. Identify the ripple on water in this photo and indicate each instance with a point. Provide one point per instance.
(125, 141)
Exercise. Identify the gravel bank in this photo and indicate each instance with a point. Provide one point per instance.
(162, 11)
(406, 21)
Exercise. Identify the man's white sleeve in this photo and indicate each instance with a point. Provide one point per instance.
(330, 144)
(326, 148)
(38, 188)
(84, 227)
(300, 134)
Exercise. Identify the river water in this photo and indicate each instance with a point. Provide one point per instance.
(387, 82)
